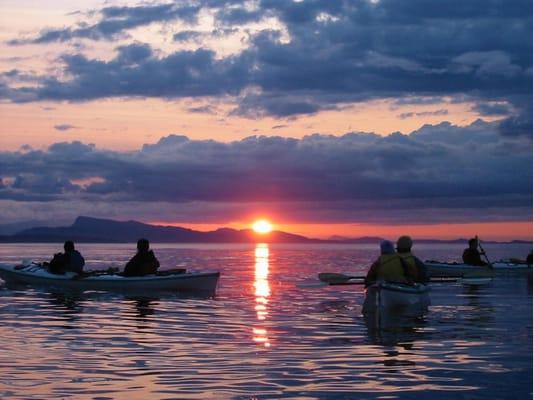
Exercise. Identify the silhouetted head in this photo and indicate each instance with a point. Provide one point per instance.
(143, 245)
(404, 244)
(68, 246)
(386, 247)
(472, 243)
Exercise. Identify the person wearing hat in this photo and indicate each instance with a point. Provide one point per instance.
(388, 267)
(142, 263)
(415, 269)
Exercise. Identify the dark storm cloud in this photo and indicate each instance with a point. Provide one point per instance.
(438, 167)
(334, 52)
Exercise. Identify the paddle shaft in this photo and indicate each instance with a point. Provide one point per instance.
(489, 264)
(336, 279)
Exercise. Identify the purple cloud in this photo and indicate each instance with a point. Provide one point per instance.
(442, 171)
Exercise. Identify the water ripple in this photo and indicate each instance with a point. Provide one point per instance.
(261, 336)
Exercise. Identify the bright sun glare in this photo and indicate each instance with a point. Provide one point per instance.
(262, 226)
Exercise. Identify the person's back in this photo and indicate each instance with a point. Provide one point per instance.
(388, 267)
(471, 255)
(70, 260)
(74, 261)
(416, 269)
(142, 263)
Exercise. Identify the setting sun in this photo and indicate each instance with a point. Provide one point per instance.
(262, 226)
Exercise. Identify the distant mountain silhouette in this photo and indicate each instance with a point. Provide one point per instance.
(87, 229)
(97, 230)
(362, 239)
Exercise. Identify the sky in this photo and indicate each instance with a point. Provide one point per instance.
(353, 118)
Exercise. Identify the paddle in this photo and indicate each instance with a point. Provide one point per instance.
(333, 278)
(489, 264)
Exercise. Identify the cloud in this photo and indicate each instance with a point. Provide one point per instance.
(64, 127)
(140, 73)
(114, 21)
(441, 171)
(491, 109)
(521, 125)
(185, 36)
(207, 109)
(423, 114)
(313, 55)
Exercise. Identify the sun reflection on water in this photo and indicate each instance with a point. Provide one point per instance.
(262, 292)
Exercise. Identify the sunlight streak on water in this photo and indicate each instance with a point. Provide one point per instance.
(262, 292)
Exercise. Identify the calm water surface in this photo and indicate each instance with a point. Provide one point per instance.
(264, 335)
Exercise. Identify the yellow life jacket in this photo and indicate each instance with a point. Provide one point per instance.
(391, 269)
(411, 265)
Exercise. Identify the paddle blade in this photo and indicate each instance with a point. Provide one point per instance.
(311, 285)
(339, 279)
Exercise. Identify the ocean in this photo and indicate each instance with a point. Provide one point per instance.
(268, 333)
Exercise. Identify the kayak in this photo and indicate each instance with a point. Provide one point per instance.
(37, 275)
(396, 296)
(442, 269)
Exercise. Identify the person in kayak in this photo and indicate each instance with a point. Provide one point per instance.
(416, 269)
(142, 263)
(401, 267)
(529, 259)
(70, 260)
(471, 255)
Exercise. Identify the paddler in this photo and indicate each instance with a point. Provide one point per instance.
(142, 263)
(471, 255)
(400, 267)
(70, 260)
(416, 268)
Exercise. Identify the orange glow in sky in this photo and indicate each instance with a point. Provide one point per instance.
(511, 230)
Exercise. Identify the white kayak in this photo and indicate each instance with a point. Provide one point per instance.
(396, 296)
(442, 269)
(37, 275)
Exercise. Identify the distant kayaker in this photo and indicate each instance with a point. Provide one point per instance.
(142, 263)
(529, 259)
(70, 260)
(471, 255)
(416, 268)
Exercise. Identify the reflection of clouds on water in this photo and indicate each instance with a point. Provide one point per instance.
(262, 292)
